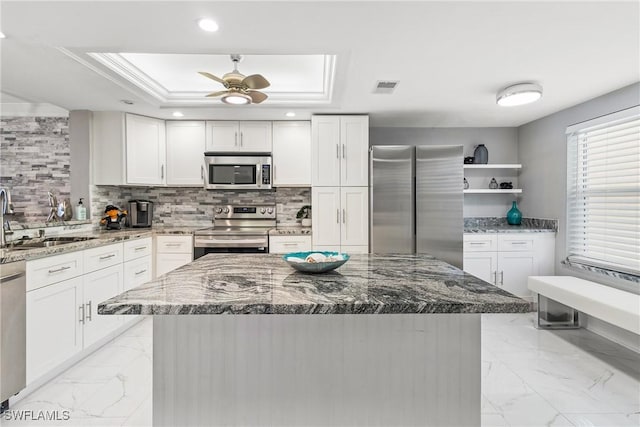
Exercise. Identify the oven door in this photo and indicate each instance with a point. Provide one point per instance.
(230, 244)
(237, 172)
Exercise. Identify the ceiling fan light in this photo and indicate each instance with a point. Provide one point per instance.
(519, 94)
(236, 99)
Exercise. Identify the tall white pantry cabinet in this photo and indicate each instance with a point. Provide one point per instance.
(340, 183)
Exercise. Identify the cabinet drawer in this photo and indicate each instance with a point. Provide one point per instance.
(284, 244)
(137, 272)
(174, 244)
(137, 248)
(480, 242)
(102, 257)
(45, 271)
(515, 243)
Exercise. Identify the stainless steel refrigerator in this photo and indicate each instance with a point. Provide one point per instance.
(416, 200)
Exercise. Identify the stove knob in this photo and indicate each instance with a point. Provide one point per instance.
(218, 210)
(226, 210)
(270, 211)
(262, 210)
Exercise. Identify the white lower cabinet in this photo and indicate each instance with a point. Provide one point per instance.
(285, 244)
(507, 260)
(54, 331)
(172, 251)
(340, 218)
(99, 286)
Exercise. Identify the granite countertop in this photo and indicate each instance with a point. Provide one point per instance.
(505, 228)
(500, 225)
(366, 284)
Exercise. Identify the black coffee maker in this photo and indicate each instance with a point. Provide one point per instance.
(140, 213)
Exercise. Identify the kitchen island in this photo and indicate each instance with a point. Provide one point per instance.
(384, 340)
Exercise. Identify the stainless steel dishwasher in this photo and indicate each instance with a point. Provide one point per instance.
(13, 331)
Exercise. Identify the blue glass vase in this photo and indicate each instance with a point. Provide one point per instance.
(514, 216)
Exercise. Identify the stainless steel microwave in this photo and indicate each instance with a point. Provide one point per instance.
(237, 172)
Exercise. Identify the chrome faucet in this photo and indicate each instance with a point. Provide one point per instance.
(6, 208)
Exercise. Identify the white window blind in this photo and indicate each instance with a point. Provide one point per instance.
(603, 192)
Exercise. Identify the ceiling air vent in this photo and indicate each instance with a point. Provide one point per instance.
(385, 86)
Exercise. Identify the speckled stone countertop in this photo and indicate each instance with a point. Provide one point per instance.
(292, 230)
(500, 225)
(265, 284)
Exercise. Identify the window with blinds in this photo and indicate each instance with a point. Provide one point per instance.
(603, 192)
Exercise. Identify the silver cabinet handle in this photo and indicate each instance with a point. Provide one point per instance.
(344, 216)
(502, 278)
(338, 216)
(241, 135)
(337, 151)
(58, 270)
(343, 153)
(137, 273)
(236, 141)
(139, 248)
(201, 172)
(476, 243)
(81, 313)
(89, 311)
(518, 243)
(495, 277)
(161, 171)
(173, 244)
(106, 257)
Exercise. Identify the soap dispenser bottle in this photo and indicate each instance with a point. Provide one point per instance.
(81, 211)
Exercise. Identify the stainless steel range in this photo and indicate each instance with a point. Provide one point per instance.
(239, 229)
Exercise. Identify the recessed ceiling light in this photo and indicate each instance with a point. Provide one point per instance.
(290, 114)
(207, 24)
(177, 114)
(519, 94)
(2, 36)
(127, 101)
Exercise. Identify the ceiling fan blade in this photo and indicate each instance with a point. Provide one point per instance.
(255, 81)
(212, 77)
(257, 97)
(222, 92)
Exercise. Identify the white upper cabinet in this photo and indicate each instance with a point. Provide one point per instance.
(292, 154)
(340, 147)
(185, 151)
(231, 136)
(325, 151)
(354, 135)
(146, 150)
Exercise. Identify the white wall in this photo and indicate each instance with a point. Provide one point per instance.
(501, 143)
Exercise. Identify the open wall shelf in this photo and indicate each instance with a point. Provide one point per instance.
(496, 166)
(490, 191)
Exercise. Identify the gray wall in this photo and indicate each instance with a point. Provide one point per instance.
(501, 143)
(542, 151)
(80, 143)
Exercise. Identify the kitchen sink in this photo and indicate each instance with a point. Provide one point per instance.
(48, 242)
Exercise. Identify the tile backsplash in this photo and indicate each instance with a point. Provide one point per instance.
(194, 206)
(34, 158)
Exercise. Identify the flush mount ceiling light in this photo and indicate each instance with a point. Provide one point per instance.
(2, 36)
(236, 98)
(519, 94)
(290, 114)
(177, 114)
(208, 25)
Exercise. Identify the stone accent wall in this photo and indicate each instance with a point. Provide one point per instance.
(34, 158)
(194, 206)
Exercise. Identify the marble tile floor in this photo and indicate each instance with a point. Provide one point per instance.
(530, 378)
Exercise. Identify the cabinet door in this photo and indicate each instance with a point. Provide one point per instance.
(185, 152)
(354, 138)
(326, 217)
(514, 269)
(146, 150)
(98, 287)
(222, 136)
(354, 202)
(168, 262)
(137, 272)
(325, 151)
(483, 265)
(255, 137)
(285, 244)
(54, 331)
(291, 154)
